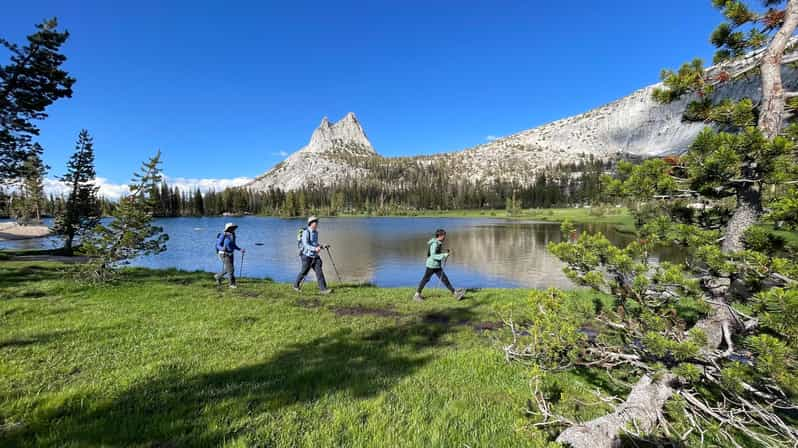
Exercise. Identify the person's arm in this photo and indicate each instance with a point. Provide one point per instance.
(438, 256)
(230, 244)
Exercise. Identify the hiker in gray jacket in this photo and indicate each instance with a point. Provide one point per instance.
(310, 255)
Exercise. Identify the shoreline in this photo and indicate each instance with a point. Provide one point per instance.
(11, 231)
(618, 216)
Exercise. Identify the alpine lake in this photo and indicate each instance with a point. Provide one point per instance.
(389, 252)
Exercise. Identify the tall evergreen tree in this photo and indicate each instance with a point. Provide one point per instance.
(29, 83)
(31, 204)
(81, 211)
(198, 207)
(130, 233)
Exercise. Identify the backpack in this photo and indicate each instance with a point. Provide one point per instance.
(219, 242)
(299, 238)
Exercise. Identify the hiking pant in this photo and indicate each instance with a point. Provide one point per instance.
(227, 268)
(441, 275)
(307, 264)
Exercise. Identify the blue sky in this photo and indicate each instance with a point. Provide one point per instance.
(223, 88)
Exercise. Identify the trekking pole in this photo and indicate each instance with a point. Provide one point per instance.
(241, 268)
(438, 279)
(329, 254)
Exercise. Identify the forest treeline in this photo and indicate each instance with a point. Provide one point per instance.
(427, 188)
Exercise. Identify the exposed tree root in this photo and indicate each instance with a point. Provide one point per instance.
(720, 324)
(639, 414)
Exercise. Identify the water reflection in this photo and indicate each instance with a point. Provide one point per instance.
(383, 251)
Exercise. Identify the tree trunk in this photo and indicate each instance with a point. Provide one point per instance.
(749, 197)
(68, 243)
(643, 407)
(719, 324)
(749, 207)
(640, 412)
(772, 110)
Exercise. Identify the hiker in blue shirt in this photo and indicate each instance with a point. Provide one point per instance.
(435, 257)
(310, 255)
(225, 249)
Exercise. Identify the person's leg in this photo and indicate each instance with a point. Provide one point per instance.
(219, 275)
(319, 274)
(458, 294)
(424, 280)
(444, 279)
(303, 271)
(230, 268)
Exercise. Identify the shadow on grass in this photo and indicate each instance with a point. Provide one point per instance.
(600, 380)
(629, 441)
(27, 274)
(60, 251)
(363, 285)
(173, 276)
(177, 409)
(43, 338)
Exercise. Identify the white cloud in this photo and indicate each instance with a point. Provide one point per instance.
(114, 191)
(111, 190)
(283, 153)
(54, 187)
(491, 138)
(108, 189)
(189, 184)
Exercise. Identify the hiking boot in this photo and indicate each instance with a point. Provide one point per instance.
(459, 294)
(296, 289)
(233, 286)
(218, 280)
(418, 297)
(325, 291)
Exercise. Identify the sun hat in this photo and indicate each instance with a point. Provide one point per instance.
(230, 226)
(311, 219)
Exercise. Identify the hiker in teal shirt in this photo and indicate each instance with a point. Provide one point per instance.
(435, 258)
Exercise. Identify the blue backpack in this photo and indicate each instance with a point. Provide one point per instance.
(219, 242)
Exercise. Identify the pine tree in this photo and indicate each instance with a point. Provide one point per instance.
(130, 233)
(31, 82)
(81, 211)
(197, 204)
(289, 208)
(302, 203)
(710, 343)
(31, 204)
(5, 203)
(767, 32)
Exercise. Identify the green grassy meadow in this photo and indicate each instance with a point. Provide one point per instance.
(165, 359)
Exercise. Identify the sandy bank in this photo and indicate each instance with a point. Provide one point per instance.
(14, 231)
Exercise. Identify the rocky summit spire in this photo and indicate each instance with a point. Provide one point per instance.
(344, 134)
(634, 125)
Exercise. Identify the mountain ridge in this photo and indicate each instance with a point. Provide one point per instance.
(633, 125)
